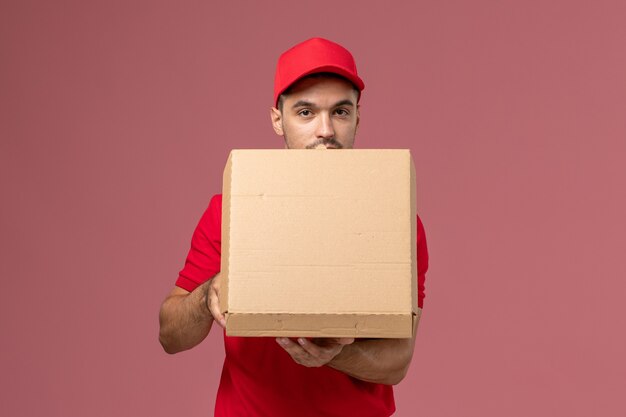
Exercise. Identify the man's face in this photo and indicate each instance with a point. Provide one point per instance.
(318, 111)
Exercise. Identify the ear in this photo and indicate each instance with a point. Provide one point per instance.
(277, 121)
(358, 117)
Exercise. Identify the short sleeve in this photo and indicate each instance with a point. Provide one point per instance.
(203, 259)
(422, 263)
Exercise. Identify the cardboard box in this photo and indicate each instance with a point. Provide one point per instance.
(319, 243)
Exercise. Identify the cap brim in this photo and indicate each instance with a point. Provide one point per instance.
(333, 69)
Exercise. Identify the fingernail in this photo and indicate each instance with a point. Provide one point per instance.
(301, 341)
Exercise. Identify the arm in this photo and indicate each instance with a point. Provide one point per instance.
(383, 361)
(185, 318)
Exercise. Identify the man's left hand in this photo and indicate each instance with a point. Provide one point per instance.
(313, 353)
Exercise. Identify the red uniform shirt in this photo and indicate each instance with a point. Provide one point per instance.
(259, 378)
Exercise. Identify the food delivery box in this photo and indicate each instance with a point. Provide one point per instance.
(319, 243)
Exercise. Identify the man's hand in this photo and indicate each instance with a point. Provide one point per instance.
(313, 353)
(212, 293)
(185, 317)
(382, 361)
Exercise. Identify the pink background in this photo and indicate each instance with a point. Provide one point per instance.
(116, 119)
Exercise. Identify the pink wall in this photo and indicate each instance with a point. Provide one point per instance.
(115, 122)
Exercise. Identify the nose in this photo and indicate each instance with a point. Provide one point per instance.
(325, 128)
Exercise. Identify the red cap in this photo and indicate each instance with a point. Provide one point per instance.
(311, 57)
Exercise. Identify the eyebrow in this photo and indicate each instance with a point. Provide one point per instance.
(304, 103)
(345, 102)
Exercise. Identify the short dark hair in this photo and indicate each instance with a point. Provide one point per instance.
(281, 98)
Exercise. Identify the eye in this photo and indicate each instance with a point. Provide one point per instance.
(342, 112)
(305, 112)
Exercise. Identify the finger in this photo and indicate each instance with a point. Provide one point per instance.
(330, 341)
(310, 347)
(214, 307)
(294, 349)
(320, 354)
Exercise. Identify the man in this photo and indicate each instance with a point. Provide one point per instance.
(316, 95)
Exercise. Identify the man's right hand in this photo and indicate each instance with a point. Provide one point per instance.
(185, 317)
(211, 294)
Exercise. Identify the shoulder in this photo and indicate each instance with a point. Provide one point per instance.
(216, 201)
(211, 219)
(421, 232)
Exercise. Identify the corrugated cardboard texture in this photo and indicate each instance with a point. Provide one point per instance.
(312, 239)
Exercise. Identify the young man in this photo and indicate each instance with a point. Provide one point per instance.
(316, 96)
